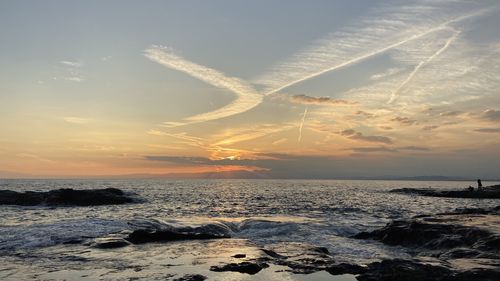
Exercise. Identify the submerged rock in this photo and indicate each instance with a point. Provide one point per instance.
(243, 267)
(65, 197)
(142, 236)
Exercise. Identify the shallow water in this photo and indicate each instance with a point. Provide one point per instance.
(258, 213)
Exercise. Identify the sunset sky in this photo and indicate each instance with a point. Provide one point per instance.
(280, 89)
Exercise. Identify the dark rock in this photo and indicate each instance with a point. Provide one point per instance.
(398, 270)
(243, 267)
(321, 250)
(273, 254)
(474, 211)
(298, 268)
(482, 274)
(141, 236)
(307, 262)
(345, 268)
(110, 243)
(65, 197)
(239, 256)
(73, 241)
(418, 233)
(191, 277)
(461, 253)
(448, 237)
(492, 192)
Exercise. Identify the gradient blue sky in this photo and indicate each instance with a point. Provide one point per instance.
(276, 88)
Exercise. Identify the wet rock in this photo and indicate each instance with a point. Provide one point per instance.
(474, 211)
(490, 192)
(65, 197)
(243, 267)
(409, 270)
(141, 236)
(430, 235)
(191, 277)
(273, 254)
(397, 270)
(73, 241)
(345, 268)
(110, 243)
(476, 275)
(305, 261)
(321, 250)
(467, 242)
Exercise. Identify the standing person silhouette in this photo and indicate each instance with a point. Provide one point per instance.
(479, 185)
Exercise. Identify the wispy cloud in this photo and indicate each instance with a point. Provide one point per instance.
(397, 25)
(353, 135)
(450, 113)
(415, 148)
(303, 99)
(72, 71)
(385, 74)
(247, 96)
(372, 149)
(491, 115)
(488, 130)
(396, 91)
(404, 120)
(463, 72)
(74, 78)
(430, 127)
(279, 141)
(72, 63)
(233, 136)
(76, 120)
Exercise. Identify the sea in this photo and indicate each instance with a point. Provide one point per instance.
(37, 243)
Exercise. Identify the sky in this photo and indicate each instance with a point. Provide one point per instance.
(265, 89)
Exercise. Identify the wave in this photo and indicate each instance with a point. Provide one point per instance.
(66, 231)
(258, 230)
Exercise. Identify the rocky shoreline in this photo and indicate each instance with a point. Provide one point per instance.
(437, 243)
(489, 192)
(66, 197)
(460, 245)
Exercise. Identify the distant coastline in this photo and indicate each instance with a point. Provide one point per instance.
(241, 175)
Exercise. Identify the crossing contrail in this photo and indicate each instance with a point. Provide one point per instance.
(395, 93)
(310, 64)
(319, 54)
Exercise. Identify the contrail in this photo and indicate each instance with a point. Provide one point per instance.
(420, 65)
(247, 96)
(302, 124)
(373, 53)
(314, 61)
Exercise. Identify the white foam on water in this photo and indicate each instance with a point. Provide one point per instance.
(43, 235)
